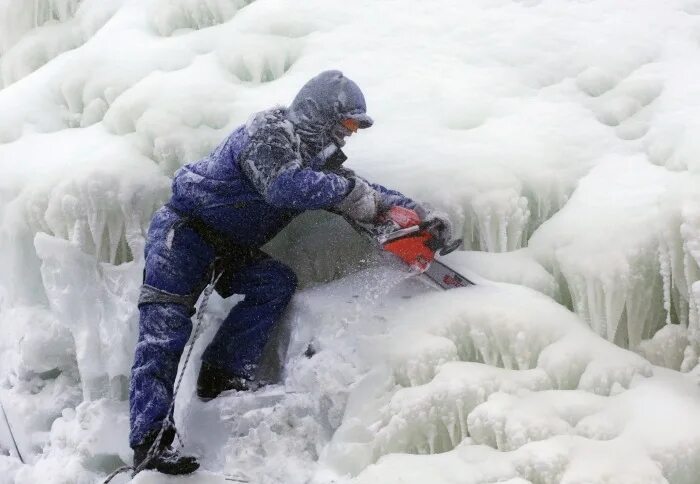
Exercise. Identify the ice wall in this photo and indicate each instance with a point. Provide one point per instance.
(37, 31)
(97, 303)
(627, 263)
(22, 17)
(690, 232)
(558, 135)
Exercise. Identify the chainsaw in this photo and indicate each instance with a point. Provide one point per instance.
(400, 232)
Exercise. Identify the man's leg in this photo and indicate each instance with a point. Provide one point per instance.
(268, 286)
(163, 332)
(177, 264)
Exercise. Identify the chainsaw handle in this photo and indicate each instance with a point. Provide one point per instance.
(434, 245)
(451, 247)
(446, 249)
(430, 224)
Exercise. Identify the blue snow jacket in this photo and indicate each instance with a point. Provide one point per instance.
(273, 167)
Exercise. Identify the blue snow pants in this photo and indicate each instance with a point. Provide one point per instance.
(180, 262)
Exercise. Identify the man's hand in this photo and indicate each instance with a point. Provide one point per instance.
(439, 225)
(362, 203)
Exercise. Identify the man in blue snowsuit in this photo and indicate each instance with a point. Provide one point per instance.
(282, 162)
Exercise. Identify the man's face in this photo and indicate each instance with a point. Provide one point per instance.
(352, 125)
(345, 128)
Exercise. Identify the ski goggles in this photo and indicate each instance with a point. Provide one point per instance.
(355, 121)
(350, 124)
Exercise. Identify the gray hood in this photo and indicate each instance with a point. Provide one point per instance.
(321, 104)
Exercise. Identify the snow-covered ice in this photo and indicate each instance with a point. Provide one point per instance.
(559, 135)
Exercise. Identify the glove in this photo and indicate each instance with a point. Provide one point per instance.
(362, 203)
(440, 225)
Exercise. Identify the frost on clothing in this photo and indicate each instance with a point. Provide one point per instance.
(274, 164)
(181, 265)
(223, 208)
(319, 107)
(259, 178)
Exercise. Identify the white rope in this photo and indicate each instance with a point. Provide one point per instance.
(154, 450)
(12, 435)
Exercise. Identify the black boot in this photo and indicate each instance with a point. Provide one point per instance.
(166, 459)
(212, 381)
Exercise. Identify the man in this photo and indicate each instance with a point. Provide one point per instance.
(282, 162)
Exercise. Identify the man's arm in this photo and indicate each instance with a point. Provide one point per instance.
(389, 198)
(277, 173)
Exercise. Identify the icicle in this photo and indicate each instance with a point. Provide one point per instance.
(97, 221)
(636, 309)
(500, 435)
(614, 305)
(115, 228)
(682, 308)
(507, 360)
(461, 419)
(591, 299)
(431, 440)
(503, 233)
(580, 301)
(484, 236)
(517, 235)
(690, 273)
(451, 428)
(665, 271)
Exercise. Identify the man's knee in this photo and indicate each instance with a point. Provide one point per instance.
(153, 295)
(163, 327)
(283, 280)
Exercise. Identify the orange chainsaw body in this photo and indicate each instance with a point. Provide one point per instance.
(413, 249)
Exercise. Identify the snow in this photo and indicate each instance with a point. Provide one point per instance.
(559, 136)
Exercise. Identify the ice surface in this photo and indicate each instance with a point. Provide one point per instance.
(625, 291)
(561, 138)
(97, 303)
